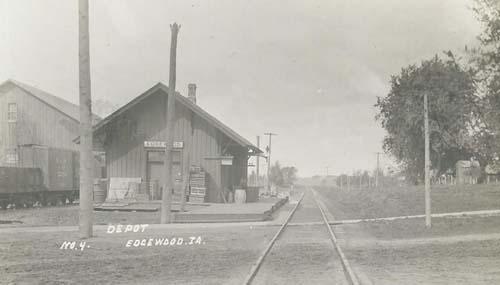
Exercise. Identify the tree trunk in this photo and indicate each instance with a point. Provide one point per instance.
(86, 179)
(166, 205)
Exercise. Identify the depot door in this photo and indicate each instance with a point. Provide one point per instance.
(155, 176)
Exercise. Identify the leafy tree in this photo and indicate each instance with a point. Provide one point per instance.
(275, 174)
(486, 61)
(282, 176)
(453, 106)
(289, 175)
(103, 107)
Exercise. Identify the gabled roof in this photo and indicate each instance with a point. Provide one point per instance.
(190, 105)
(69, 109)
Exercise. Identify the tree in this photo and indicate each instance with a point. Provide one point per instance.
(453, 110)
(486, 62)
(289, 174)
(282, 176)
(103, 107)
(275, 174)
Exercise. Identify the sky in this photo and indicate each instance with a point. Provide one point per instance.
(308, 70)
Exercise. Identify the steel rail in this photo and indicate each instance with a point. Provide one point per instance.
(256, 266)
(349, 273)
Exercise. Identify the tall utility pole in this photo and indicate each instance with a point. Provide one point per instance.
(86, 159)
(257, 163)
(166, 203)
(269, 161)
(427, 165)
(378, 169)
(348, 183)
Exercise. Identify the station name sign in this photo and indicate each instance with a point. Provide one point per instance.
(226, 161)
(162, 144)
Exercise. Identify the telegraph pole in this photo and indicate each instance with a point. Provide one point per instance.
(86, 159)
(166, 203)
(377, 170)
(269, 161)
(427, 165)
(257, 163)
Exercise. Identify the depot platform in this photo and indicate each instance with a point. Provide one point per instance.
(206, 212)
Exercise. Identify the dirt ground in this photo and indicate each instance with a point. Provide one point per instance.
(223, 257)
(402, 201)
(459, 250)
(68, 216)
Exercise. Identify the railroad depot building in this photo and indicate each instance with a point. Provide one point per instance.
(133, 138)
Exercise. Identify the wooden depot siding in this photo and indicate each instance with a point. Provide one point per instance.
(125, 136)
(37, 122)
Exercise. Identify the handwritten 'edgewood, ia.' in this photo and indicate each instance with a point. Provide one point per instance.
(147, 242)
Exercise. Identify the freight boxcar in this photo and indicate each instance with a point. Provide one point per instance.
(46, 175)
(20, 185)
(58, 169)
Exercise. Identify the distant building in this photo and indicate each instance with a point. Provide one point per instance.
(32, 117)
(133, 138)
(492, 172)
(467, 172)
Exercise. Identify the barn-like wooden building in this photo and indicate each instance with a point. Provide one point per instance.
(37, 130)
(32, 117)
(133, 138)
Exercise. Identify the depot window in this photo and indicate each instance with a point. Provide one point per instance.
(12, 112)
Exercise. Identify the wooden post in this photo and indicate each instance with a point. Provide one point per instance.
(257, 163)
(269, 162)
(186, 172)
(427, 165)
(166, 203)
(376, 171)
(86, 163)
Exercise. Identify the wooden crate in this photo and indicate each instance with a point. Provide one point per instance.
(196, 199)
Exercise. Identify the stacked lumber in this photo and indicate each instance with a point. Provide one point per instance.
(197, 185)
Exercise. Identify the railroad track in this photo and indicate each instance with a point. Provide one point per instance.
(350, 277)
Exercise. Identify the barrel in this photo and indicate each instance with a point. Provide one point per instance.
(99, 192)
(240, 196)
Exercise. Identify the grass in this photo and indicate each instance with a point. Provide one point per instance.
(402, 201)
(459, 250)
(457, 263)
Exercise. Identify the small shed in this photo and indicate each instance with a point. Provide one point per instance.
(492, 172)
(467, 172)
